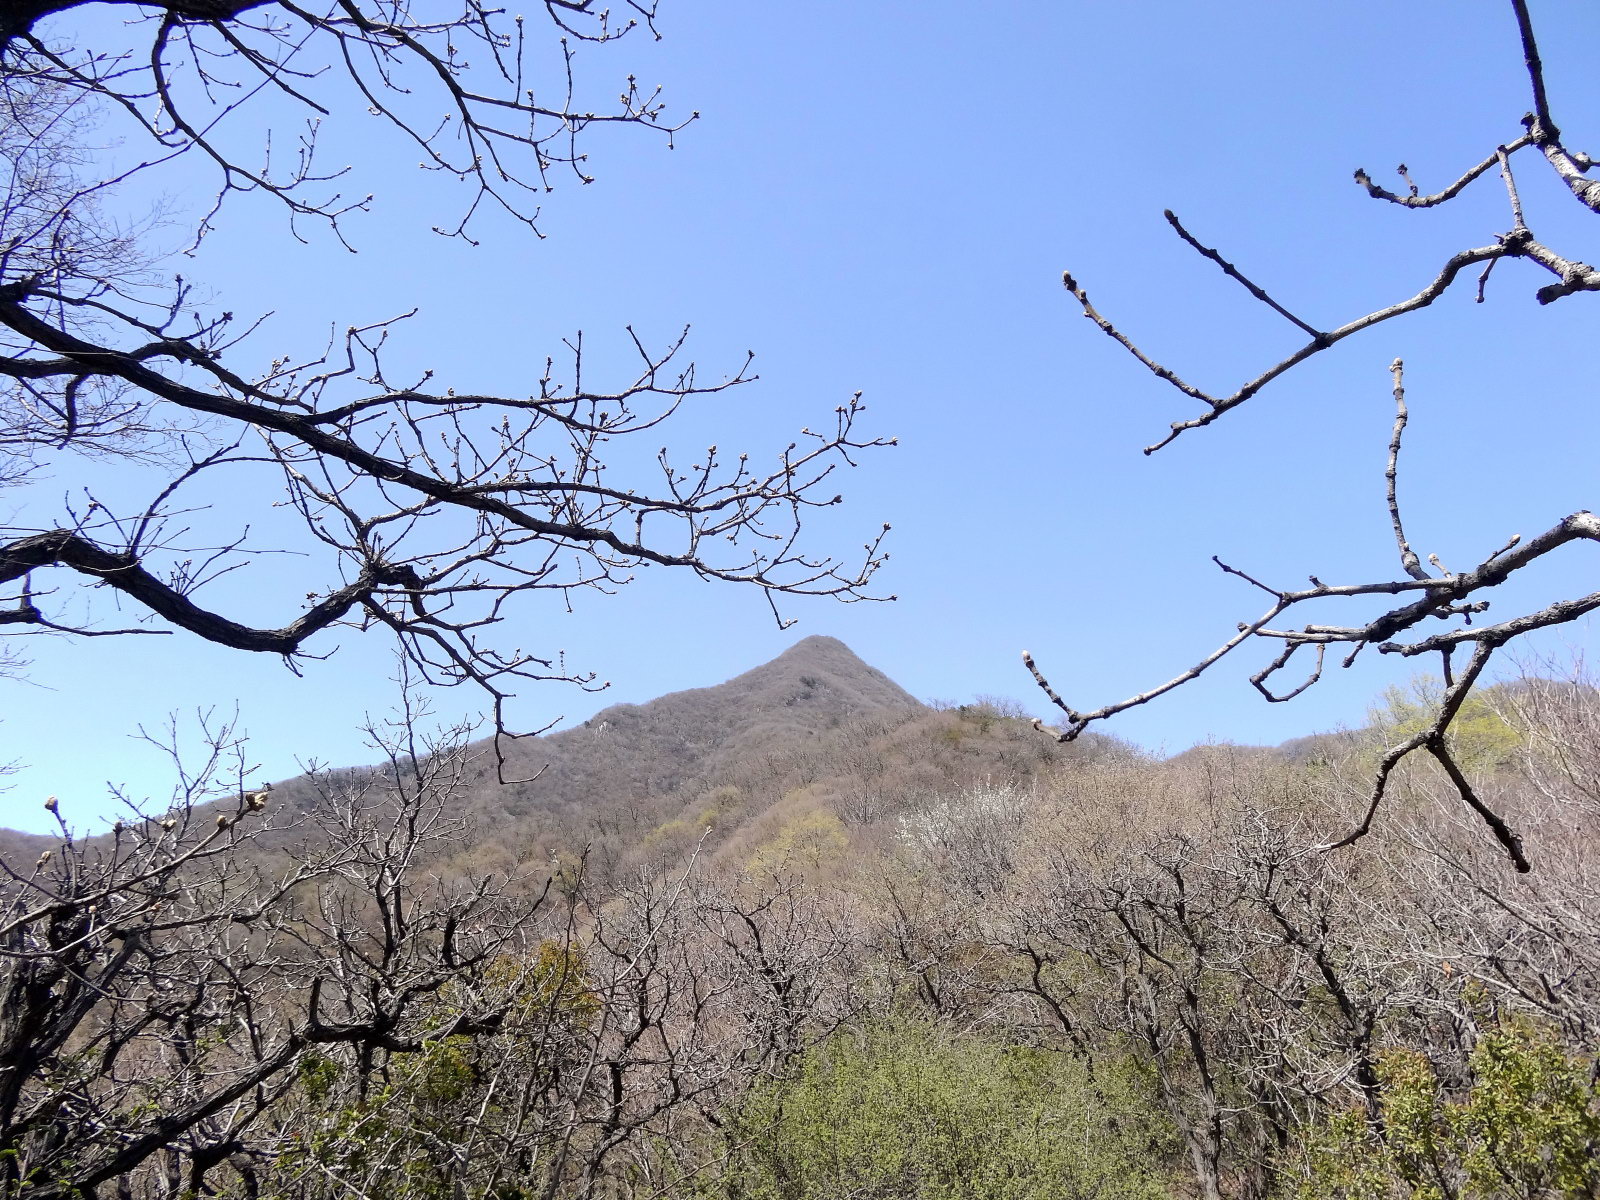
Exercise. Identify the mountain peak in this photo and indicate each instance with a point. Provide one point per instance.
(819, 671)
(817, 642)
(827, 669)
(813, 686)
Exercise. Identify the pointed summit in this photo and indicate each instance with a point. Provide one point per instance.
(648, 749)
(825, 667)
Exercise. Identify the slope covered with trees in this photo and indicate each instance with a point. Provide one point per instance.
(915, 952)
(798, 936)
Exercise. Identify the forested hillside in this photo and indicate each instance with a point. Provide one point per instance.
(348, 434)
(814, 731)
(854, 946)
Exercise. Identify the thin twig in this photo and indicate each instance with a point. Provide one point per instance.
(1511, 189)
(1233, 272)
(1408, 557)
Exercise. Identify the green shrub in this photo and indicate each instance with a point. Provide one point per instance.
(1526, 1128)
(907, 1111)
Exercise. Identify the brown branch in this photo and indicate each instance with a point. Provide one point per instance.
(1232, 272)
(1415, 201)
(1221, 404)
(1496, 823)
(1408, 557)
(1454, 697)
(1535, 68)
(22, 15)
(64, 547)
(1559, 613)
(1442, 597)
(1575, 276)
(100, 360)
(1259, 679)
(1511, 189)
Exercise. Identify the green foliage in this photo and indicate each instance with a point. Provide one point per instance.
(438, 1075)
(718, 805)
(1527, 1127)
(1479, 738)
(806, 844)
(674, 837)
(395, 1138)
(550, 987)
(907, 1111)
(318, 1074)
(560, 984)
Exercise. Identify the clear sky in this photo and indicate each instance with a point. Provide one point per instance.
(883, 197)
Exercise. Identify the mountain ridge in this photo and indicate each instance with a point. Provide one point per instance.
(657, 746)
(652, 748)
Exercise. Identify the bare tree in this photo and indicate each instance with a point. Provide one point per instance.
(294, 992)
(167, 986)
(432, 511)
(1436, 594)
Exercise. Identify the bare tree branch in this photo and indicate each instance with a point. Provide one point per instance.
(1446, 595)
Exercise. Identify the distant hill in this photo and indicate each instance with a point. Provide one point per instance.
(654, 748)
(814, 735)
(814, 729)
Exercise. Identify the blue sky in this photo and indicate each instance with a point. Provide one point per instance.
(883, 197)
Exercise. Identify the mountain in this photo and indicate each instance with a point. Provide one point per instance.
(814, 735)
(815, 740)
(654, 748)
(801, 747)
